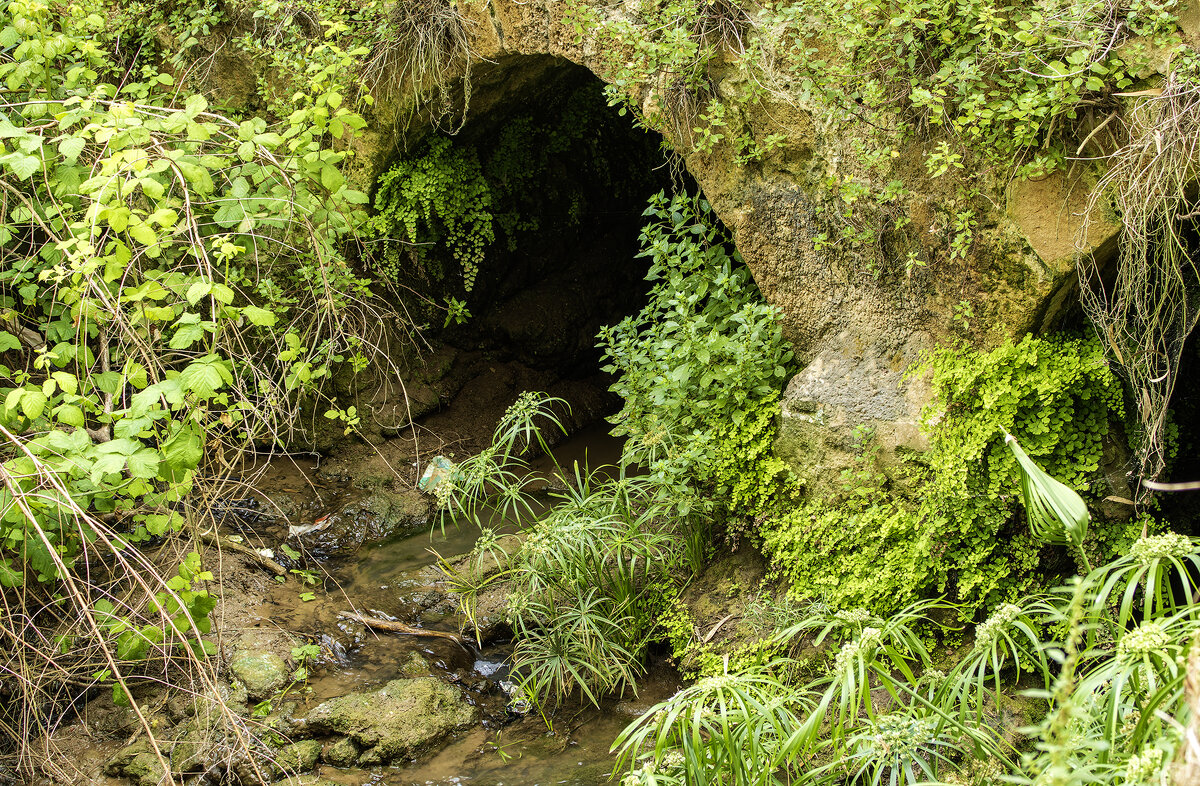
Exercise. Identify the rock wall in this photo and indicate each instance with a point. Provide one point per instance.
(856, 330)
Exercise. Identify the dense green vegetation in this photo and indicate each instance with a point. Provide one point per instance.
(700, 368)
(179, 282)
(595, 580)
(959, 532)
(174, 285)
(1105, 683)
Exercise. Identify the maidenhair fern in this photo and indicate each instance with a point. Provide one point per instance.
(439, 197)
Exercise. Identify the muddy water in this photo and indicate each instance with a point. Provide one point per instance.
(398, 580)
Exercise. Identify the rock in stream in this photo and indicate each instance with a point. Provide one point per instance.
(400, 720)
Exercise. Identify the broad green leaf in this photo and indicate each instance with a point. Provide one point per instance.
(181, 453)
(10, 577)
(259, 316)
(33, 403)
(185, 336)
(21, 165)
(222, 294)
(1056, 513)
(206, 376)
(195, 104)
(71, 147)
(106, 464)
(70, 415)
(144, 234)
(68, 383)
(144, 463)
(197, 291)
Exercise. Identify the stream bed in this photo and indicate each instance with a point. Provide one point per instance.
(397, 580)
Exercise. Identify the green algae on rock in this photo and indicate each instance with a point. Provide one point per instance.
(401, 719)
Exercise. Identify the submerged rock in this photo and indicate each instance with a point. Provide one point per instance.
(400, 720)
(374, 517)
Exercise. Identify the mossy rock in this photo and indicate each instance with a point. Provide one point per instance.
(342, 752)
(138, 763)
(400, 720)
(298, 757)
(262, 673)
(191, 742)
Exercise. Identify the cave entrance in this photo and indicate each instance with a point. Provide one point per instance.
(550, 184)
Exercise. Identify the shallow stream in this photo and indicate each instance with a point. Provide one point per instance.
(396, 579)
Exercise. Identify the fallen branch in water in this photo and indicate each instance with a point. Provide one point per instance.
(391, 626)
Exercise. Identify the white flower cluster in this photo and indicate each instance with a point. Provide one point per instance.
(443, 492)
(900, 735)
(850, 652)
(645, 774)
(1147, 768)
(985, 632)
(1149, 638)
(525, 407)
(516, 605)
(536, 548)
(853, 616)
(1169, 544)
(934, 679)
(672, 760)
(715, 682)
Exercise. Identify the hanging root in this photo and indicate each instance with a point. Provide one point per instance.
(1146, 312)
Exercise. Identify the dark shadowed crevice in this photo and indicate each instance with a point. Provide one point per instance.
(568, 178)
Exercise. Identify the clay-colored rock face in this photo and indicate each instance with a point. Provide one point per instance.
(858, 330)
(1017, 274)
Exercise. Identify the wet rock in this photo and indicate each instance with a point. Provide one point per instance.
(342, 752)
(106, 719)
(415, 666)
(138, 763)
(491, 614)
(843, 403)
(298, 757)
(400, 720)
(191, 743)
(183, 704)
(377, 516)
(262, 673)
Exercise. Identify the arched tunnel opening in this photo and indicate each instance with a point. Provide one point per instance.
(523, 226)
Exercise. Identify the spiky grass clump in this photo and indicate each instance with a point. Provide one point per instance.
(1111, 699)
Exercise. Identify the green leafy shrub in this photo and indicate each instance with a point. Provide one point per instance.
(962, 534)
(700, 367)
(173, 285)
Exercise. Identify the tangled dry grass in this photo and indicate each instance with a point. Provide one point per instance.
(427, 50)
(1146, 311)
